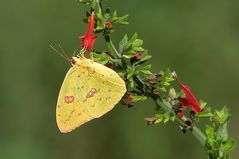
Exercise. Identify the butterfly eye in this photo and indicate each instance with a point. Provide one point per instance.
(73, 60)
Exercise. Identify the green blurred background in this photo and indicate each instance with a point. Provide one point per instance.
(199, 39)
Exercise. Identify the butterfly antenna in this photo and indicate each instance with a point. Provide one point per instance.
(55, 50)
(63, 51)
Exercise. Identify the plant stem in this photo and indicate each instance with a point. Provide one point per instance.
(197, 133)
(111, 46)
(109, 43)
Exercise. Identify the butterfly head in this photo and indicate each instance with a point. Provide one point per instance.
(74, 60)
(81, 61)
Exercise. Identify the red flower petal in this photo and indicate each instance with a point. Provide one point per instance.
(190, 100)
(184, 102)
(88, 39)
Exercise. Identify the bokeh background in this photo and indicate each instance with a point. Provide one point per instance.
(199, 39)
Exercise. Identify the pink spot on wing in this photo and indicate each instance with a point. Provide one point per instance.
(69, 99)
(91, 93)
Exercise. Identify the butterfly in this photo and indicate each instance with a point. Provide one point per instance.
(89, 91)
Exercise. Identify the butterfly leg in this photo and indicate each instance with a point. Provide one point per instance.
(92, 57)
(82, 53)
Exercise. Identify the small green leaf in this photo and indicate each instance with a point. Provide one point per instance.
(172, 93)
(147, 72)
(136, 98)
(202, 104)
(172, 118)
(221, 116)
(130, 72)
(120, 20)
(124, 41)
(228, 145)
(101, 58)
(166, 117)
(206, 113)
(222, 133)
(131, 83)
(144, 58)
(159, 118)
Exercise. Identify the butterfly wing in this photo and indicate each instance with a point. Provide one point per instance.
(102, 90)
(70, 112)
(88, 92)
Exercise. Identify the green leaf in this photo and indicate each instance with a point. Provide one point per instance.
(166, 117)
(172, 93)
(221, 116)
(144, 58)
(137, 42)
(147, 72)
(133, 38)
(222, 133)
(164, 80)
(206, 113)
(100, 16)
(120, 20)
(124, 41)
(172, 118)
(138, 98)
(144, 69)
(130, 74)
(162, 89)
(202, 104)
(228, 145)
(131, 83)
(159, 118)
(212, 145)
(85, 1)
(180, 94)
(101, 58)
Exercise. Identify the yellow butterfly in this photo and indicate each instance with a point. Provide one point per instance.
(89, 90)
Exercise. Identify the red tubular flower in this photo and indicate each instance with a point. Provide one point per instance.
(88, 39)
(108, 24)
(190, 100)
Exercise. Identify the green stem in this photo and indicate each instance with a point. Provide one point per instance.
(197, 133)
(109, 43)
(111, 46)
